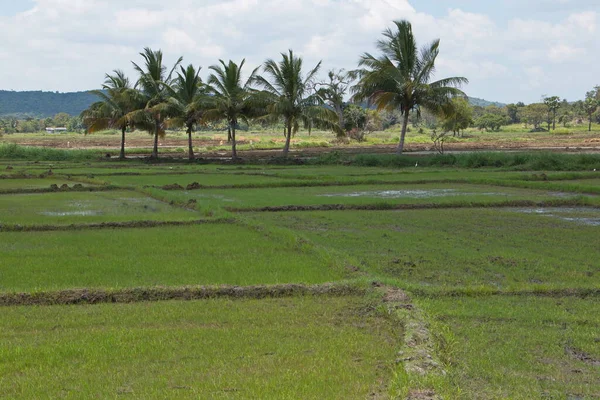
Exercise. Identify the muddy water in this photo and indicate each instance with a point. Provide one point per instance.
(411, 193)
(580, 215)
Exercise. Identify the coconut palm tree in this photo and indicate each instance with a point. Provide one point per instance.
(187, 102)
(230, 98)
(153, 85)
(291, 96)
(117, 99)
(401, 78)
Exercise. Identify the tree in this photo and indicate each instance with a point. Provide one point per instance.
(590, 105)
(458, 117)
(231, 99)
(153, 85)
(288, 96)
(61, 120)
(333, 93)
(491, 122)
(513, 113)
(533, 114)
(117, 100)
(553, 104)
(187, 102)
(401, 77)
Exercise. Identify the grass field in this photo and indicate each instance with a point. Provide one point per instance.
(86, 207)
(310, 348)
(488, 291)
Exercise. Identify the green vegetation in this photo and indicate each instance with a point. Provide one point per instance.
(506, 250)
(63, 208)
(173, 256)
(490, 292)
(519, 347)
(312, 348)
(360, 194)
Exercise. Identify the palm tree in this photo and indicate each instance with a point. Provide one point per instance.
(153, 85)
(117, 99)
(401, 77)
(185, 106)
(229, 97)
(289, 97)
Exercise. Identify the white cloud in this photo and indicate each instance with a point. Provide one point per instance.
(69, 44)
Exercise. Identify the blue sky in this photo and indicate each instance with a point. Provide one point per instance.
(511, 50)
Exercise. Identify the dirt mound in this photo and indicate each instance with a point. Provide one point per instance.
(9, 167)
(54, 186)
(174, 186)
(94, 296)
(192, 186)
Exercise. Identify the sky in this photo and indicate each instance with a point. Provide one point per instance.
(510, 50)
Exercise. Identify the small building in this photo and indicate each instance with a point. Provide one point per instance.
(56, 130)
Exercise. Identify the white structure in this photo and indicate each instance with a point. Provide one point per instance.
(54, 130)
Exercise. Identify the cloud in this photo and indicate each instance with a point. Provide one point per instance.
(70, 44)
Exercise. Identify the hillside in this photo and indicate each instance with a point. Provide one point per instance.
(47, 104)
(43, 104)
(484, 103)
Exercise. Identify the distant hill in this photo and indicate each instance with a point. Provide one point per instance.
(43, 104)
(40, 104)
(484, 103)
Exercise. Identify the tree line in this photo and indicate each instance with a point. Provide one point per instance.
(399, 79)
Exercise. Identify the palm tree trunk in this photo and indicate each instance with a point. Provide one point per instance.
(554, 121)
(190, 146)
(233, 144)
(229, 134)
(342, 122)
(122, 154)
(403, 134)
(155, 148)
(288, 136)
(590, 126)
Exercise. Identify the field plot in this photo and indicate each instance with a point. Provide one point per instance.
(363, 195)
(521, 347)
(207, 179)
(86, 207)
(440, 249)
(171, 256)
(25, 184)
(478, 294)
(309, 348)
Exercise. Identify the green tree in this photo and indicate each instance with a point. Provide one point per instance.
(153, 85)
(553, 104)
(401, 77)
(458, 117)
(230, 98)
(187, 102)
(355, 117)
(288, 96)
(117, 100)
(512, 110)
(491, 122)
(333, 92)
(590, 105)
(533, 114)
(61, 120)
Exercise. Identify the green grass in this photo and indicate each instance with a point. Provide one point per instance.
(193, 255)
(213, 179)
(14, 184)
(63, 208)
(432, 250)
(519, 347)
(308, 348)
(357, 195)
(16, 152)
(522, 161)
